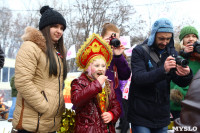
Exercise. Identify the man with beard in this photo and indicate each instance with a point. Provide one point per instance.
(153, 67)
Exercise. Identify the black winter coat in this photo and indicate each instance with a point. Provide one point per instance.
(149, 104)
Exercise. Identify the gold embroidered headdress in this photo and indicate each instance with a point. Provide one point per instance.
(95, 47)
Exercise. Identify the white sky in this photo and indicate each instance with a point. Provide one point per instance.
(27, 4)
(150, 10)
(177, 10)
(16, 4)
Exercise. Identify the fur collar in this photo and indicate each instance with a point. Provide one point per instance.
(36, 36)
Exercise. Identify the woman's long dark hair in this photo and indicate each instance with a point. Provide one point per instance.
(49, 52)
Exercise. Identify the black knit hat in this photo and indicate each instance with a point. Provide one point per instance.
(49, 17)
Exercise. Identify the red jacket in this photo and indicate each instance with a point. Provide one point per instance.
(88, 113)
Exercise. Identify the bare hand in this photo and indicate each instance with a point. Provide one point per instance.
(169, 63)
(182, 71)
(107, 117)
(188, 48)
(102, 79)
(107, 40)
(119, 50)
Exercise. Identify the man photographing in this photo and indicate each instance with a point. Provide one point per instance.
(151, 64)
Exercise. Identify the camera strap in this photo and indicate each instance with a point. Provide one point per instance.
(152, 54)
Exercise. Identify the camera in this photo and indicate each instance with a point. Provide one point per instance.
(114, 41)
(180, 61)
(196, 46)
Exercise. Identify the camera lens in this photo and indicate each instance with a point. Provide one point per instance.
(182, 62)
(196, 46)
(197, 49)
(115, 42)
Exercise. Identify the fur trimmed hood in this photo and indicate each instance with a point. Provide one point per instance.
(38, 92)
(36, 36)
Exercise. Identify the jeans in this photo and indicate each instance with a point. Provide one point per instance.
(141, 129)
(12, 108)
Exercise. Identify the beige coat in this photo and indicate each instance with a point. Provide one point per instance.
(31, 78)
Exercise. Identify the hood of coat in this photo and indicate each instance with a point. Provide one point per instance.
(36, 36)
(161, 25)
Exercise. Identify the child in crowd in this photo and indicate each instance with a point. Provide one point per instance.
(92, 94)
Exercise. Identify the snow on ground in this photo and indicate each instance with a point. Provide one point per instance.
(5, 126)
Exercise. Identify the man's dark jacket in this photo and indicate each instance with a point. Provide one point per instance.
(148, 103)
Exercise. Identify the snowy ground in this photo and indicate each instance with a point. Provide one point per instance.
(5, 126)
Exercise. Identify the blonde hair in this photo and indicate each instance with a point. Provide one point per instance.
(93, 59)
(109, 27)
(179, 46)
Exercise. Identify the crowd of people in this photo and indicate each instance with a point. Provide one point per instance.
(158, 86)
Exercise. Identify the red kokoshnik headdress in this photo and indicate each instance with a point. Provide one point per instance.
(95, 47)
